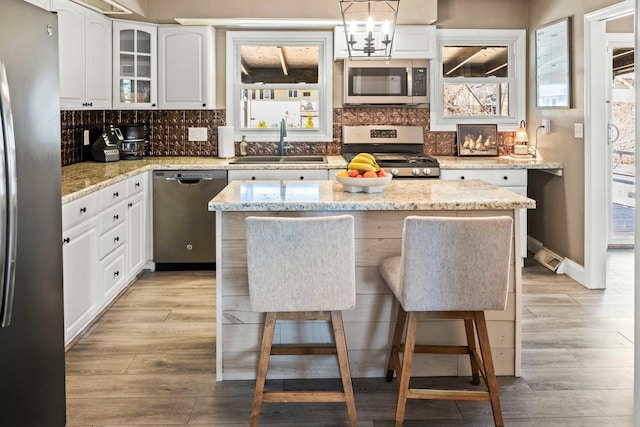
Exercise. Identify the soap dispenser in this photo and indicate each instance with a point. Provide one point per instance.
(243, 146)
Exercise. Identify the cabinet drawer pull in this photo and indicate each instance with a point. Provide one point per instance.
(116, 239)
(83, 210)
(116, 194)
(505, 177)
(253, 178)
(462, 177)
(115, 217)
(66, 240)
(130, 204)
(137, 184)
(116, 273)
(301, 178)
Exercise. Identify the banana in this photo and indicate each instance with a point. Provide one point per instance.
(362, 166)
(369, 156)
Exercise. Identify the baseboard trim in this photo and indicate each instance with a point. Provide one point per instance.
(533, 245)
(576, 272)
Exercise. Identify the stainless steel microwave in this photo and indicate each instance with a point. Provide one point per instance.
(397, 81)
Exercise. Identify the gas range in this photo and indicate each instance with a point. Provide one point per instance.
(398, 149)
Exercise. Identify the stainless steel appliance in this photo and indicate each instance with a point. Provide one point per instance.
(133, 140)
(183, 228)
(398, 149)
(32, 383)
(397, 81)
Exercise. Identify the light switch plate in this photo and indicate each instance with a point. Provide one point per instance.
(578, 130)
(197, 134)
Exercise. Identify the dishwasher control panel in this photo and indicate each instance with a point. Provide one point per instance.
(192, 174)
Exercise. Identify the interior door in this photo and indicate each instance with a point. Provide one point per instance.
(621, 141)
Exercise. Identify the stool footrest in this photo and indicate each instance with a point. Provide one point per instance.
(421, 393)
(303, 396)
(441, 349)
(280, 350)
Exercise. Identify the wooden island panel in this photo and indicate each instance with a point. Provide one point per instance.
(368, 327)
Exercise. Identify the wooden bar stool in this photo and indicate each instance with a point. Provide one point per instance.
(449, 268)
(302, 269)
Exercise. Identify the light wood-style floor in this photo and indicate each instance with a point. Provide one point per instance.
(150, 361)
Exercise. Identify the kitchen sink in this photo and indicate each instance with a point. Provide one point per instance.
(278, 159)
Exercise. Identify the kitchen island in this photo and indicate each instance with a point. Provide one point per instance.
(378, 232)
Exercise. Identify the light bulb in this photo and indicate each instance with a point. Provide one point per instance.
(370, 25)
(386, 26)
(353, 27)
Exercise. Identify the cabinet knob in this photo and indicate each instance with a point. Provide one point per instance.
(90, 104)
(253, 178)
(462, 177)
(137, 184)
(83, 210)
(505, 177)
(301, 178)
(116, 273)
(153, 105)
(66, 240)
(204, 105)
(116, 194)
(115, 217)
(116, 239)
(130, 204)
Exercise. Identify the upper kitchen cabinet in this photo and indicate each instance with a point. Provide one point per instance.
(409, 42)
(134, 65)
(84, 42)
(186, 70)
(45, 4)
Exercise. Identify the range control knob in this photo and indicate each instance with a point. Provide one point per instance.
(395, 172)
(416, 171)
(427, 171)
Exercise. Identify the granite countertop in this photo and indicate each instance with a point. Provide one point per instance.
(503, 162)
(84, 178)
(404, 195)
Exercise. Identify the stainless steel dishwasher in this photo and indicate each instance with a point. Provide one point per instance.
(183, 228)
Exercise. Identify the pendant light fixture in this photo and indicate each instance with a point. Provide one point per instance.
(369, 27)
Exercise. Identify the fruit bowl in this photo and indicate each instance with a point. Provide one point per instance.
(366, 185)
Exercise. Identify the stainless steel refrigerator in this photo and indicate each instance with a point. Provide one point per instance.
(32, 388)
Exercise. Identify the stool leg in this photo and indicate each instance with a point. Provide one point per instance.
(343, 363)
(407, 359)
(263, 364)
(471, 343)
(395, 344)
(487, 360)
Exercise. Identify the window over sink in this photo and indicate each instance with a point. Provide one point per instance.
(275, 75)
(479, 77)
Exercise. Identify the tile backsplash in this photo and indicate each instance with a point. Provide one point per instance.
(167, 131)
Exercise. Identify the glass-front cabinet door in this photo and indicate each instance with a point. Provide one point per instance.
(134, 59)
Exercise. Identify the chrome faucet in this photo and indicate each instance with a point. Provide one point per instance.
(283, 133)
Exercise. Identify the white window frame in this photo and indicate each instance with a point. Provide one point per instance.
(515, 40)
(324, 41)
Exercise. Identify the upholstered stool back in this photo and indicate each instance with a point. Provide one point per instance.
(452, 263)
(301, 264)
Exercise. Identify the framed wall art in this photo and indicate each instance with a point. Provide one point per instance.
(477, 140)
(553, 65)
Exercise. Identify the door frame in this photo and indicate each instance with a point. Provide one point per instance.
(595, 197)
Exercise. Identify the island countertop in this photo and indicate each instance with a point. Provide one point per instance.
(398, 195)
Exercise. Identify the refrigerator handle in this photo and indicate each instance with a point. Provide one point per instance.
(8, 202)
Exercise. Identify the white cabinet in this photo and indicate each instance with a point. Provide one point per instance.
(134, 65)
(409, 42)
(138, 218)
(278, 175)
(44, 4)
(104, 248)
(84, 44)
(512, 179)
(80, 255)
(186, 71)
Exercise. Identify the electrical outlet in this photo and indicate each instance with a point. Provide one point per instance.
(85, 136)
(578, 130)
(546, 123)
(197, 134)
